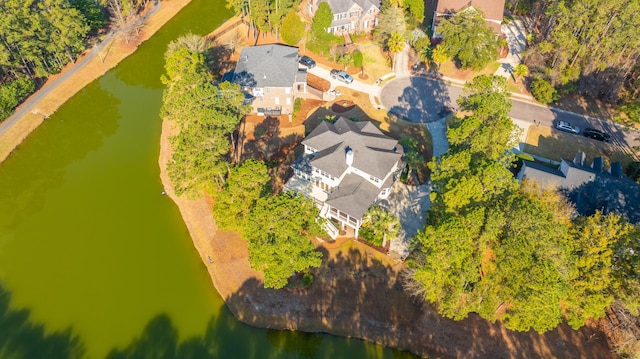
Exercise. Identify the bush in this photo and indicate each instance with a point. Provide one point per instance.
(12, 94)
(370, 236)
(292, 28)
(542, 91)
(357, 58)
(297, 104)
(307, 279)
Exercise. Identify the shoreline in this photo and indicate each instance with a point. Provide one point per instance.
(114, 52)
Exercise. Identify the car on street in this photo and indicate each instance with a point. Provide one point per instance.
(567, 127)
(307, 61)
(341, 75)
(596, 134)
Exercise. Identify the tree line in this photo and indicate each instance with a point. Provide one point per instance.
(590, 47)
(40, 37)
(512, 251)
(206, 115)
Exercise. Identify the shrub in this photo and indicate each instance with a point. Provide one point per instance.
(12, 94)
(297, 104)
(292, 28)
(307, 279)
(542, 90)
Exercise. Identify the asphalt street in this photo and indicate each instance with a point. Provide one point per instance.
(424, 100)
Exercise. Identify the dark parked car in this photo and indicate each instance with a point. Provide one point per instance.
(596, 134)
(307, 61)
(342, 76)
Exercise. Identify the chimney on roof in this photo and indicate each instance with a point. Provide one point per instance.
(616, 169)
(579, 159)
(349, 156)
(597, 164)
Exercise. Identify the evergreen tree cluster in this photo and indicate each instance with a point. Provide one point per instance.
(514, 252)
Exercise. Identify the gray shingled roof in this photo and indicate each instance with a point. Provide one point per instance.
(373, 152)
(354, 196)
(575, 175)
(268, 66)
(342, 6)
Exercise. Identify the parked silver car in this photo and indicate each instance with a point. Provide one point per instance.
(567, 127)
(342, 76)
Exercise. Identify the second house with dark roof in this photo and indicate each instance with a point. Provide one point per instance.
(346, 167)
(270, 77)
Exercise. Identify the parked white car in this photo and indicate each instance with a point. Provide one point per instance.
(567, 127)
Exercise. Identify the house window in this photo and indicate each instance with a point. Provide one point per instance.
(366, 24)
(277, 100)
(287, 90)
(288, 101)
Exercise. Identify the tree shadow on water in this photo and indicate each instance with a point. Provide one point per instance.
(22, 338)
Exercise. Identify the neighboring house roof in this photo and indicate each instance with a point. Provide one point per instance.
(354, 196)
(589, 188)
(373, 152)
(492, 9)
(268, 66)
(342, 6)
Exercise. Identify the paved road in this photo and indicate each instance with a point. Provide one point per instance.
(425, 100)
(34, 99)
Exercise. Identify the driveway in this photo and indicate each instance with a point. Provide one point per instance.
(409, 204)
(517, 40)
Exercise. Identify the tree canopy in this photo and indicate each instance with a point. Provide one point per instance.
(468, 39)
(514, 252)
(292, 28)
(589, 46)
(205, 115)
(278, 230)
(244, 186)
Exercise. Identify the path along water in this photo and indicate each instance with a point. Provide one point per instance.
(89, 244)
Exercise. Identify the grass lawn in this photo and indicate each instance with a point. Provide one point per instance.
(555, 145)
(375, 61)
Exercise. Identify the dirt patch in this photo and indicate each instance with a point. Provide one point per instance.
(318, 83)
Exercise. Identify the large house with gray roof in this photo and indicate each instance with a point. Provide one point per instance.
(350, 15)
(346, 167)
(270, 77)
(589, 187)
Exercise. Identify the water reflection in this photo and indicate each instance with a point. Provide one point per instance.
(22, 338)
(67, 137)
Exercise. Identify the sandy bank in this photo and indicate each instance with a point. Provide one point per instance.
(108, 58)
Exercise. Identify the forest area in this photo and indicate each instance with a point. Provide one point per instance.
(39, 38)
(509, 250)
(585, 47)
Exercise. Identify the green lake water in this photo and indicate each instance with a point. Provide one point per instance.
(94, 260)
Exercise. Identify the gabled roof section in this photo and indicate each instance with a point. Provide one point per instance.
(373, 152)
(354, 196)
(492, 9)
(267, 66)
(342, 6)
